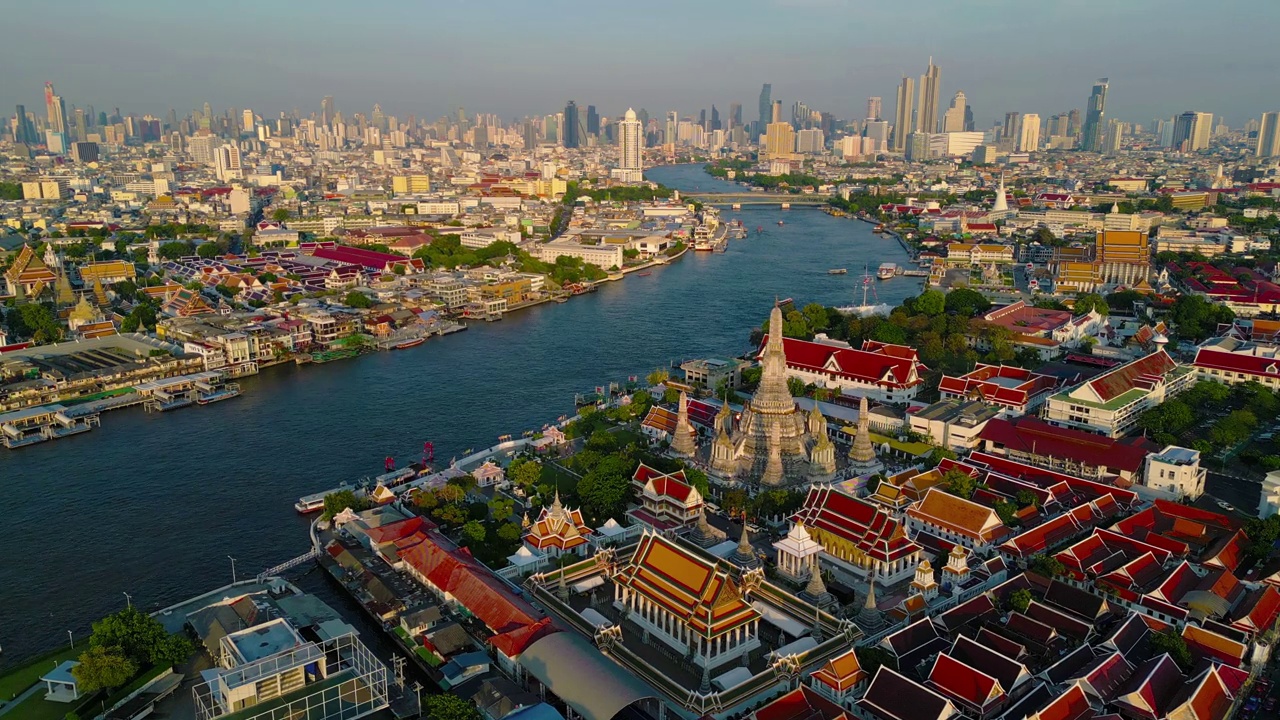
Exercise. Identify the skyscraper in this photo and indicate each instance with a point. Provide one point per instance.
(873, 107)
(766, 107)
(1191, 131)
(780, 141)
(776, 114)
(1011, 125)
(57, 111)
(902, 122)
(1268, 134)
(735, 115)
(930, 83)
(1029, 138)
(631, 147)
(246, 122)
(25, 132)
(571, 138)
(715, 118)
(953, 118)
(326, 111)
(1092, 137)
(593, 121)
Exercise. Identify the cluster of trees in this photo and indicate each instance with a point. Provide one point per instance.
(766, 504)
(33, 321)
(1195, 318)
(10, 191)
(447, 252)
(1173, 421)
(336, 502)
(627, 193)
(124, 644)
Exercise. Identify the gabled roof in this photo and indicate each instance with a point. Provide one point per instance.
(803, 703)
(1151, 689)
(1140, 373)
(697, 591)
(895, 366)
(1040, 439)
(1010, 673)
(892, 696)
(1204, 698)
(1071, 705)
(968, 687)
(1207, 644)
(841, 672)
(1103, 677)
(869, 528)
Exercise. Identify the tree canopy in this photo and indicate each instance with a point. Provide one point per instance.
(103, 668)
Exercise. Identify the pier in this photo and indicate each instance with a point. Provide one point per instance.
(46, 422)
(201, 388)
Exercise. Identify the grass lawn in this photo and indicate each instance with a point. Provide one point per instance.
(17, 679)
(37, 708)
(553, 474)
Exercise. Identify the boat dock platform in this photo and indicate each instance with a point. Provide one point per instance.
(46, 422)
(201, 388)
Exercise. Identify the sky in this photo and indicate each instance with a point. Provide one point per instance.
(517, 58)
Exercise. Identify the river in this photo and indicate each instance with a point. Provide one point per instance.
(153, 504)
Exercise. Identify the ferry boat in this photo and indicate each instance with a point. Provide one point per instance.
(886, 271)
(646, 273)
(786, 206)
(736, 206)
(878, 229)
(226, 392)
(413, 342)
(867, 309)
(780, 222)
(838, 271)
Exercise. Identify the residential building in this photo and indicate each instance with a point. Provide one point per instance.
(1192, 130)
(1111, 403)
(903, 117)
(1029, 134)
(630, 148)
(1232, 361)
(1175, 470)
(411, 184)
(930, 86)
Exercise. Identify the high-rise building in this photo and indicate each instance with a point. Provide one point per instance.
(953, 118)
(1011, 125)
(902, 115)
(1268, 135)
(24, 131)
(246, 121)
(1094, 127)
(593, 121)
(571, 136)
(202, 147)
(1192, 130)
(57, 111)
(810, 141)
(1029, 138)
(780, 140)
(874, 108)
(930, 84)
(326, 111)
(735, 115)
(631, 147)
(776, 114)
(715, 118)
(766, 107)
(227, 163)
(1112, 137)
(84, 152)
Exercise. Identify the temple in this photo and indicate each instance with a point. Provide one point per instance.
(775, 444)
(558, 531)
(689, 603)
(666, 500)
(859, 540)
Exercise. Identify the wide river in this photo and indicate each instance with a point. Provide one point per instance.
(153, 504)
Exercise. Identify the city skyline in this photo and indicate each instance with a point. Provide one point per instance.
(272, 66)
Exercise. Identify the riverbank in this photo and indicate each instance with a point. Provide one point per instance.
(223, 481)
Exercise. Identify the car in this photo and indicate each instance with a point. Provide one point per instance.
(1226, 506)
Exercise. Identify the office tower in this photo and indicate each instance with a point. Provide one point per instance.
(930, 82)
(202, 147)
(780, 140)
(227, 163)
(902, 115)
(1029, 138)
(766, 107)
(1093, 118)
(102, 119)
(593, 121)
(1268, 135)
(1191, 131)
(810, 141)
(1112, 137)
(246, 121)
(775, 114)
(1010, 125)
(57, 111)
(735, 115)
(702, 118)
(25, 132)
(873, 108)
(1073, 123)
(571, 136)
(631, 147)
(953, 118)
(84, 152)
(171, 120)
(878, 131)
(800, 115)
(90, 116)
(378, 118)
(326, 111)
(1058, 125)
(715, 118)
(81, 124)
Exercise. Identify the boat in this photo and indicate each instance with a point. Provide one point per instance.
(646, 273)
(867, 309)
(226, 392)
(736, 206)
(886, 271)
(414, 342)
(838, 271)
(786, 206)
(780, 222)
(879, 228)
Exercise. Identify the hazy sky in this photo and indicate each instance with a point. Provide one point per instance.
(516, 57)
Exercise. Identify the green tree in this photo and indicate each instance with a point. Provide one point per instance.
(448, 707)
(958, 483)
(336, 502)
(697, 479)
(931, 302)
(141, 638)
(509, 532)
(734, 501)
(1046, 565)
(966, 303)
(1173, 644)
(1091, 301)
(35, 321)
(815, 316)
(473, 533)
(174, 250)
(796, 386)
(871, 658)
(525, 473)
(1020, 599)
(103, 668)
(208, 250)
(357, 299)
(606, 488)
(657, 377)
(280, 215)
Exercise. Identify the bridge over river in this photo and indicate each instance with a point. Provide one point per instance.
(756, 198)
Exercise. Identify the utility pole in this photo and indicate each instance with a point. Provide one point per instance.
(233, 569)
(72, 638)
(128, 600)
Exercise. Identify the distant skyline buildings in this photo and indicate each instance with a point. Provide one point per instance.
(571, 134)
(930, 86)
(1092, 133)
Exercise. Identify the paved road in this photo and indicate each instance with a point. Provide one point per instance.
(1241, 492)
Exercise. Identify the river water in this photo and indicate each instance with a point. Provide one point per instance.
(153, 504)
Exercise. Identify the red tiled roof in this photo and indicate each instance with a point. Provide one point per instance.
(1209, 644)
(892, 696)
(396, 530)
(881, 364)
(1040, 439)
(1135, 374)
(1071, 705)
(514, 642)
(1151, 689)
(874, 531)
(803, 703)
(972, 689)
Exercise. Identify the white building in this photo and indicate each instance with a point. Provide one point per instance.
(1175, 470)
(1269, 503)
(797, 553)
(1029, 138)
(603, 256)
(630, 148)
(227, 162)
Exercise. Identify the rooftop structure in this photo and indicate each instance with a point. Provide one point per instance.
(1110, 403)
(860, 541)
(888, 373)
(1014, 389)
